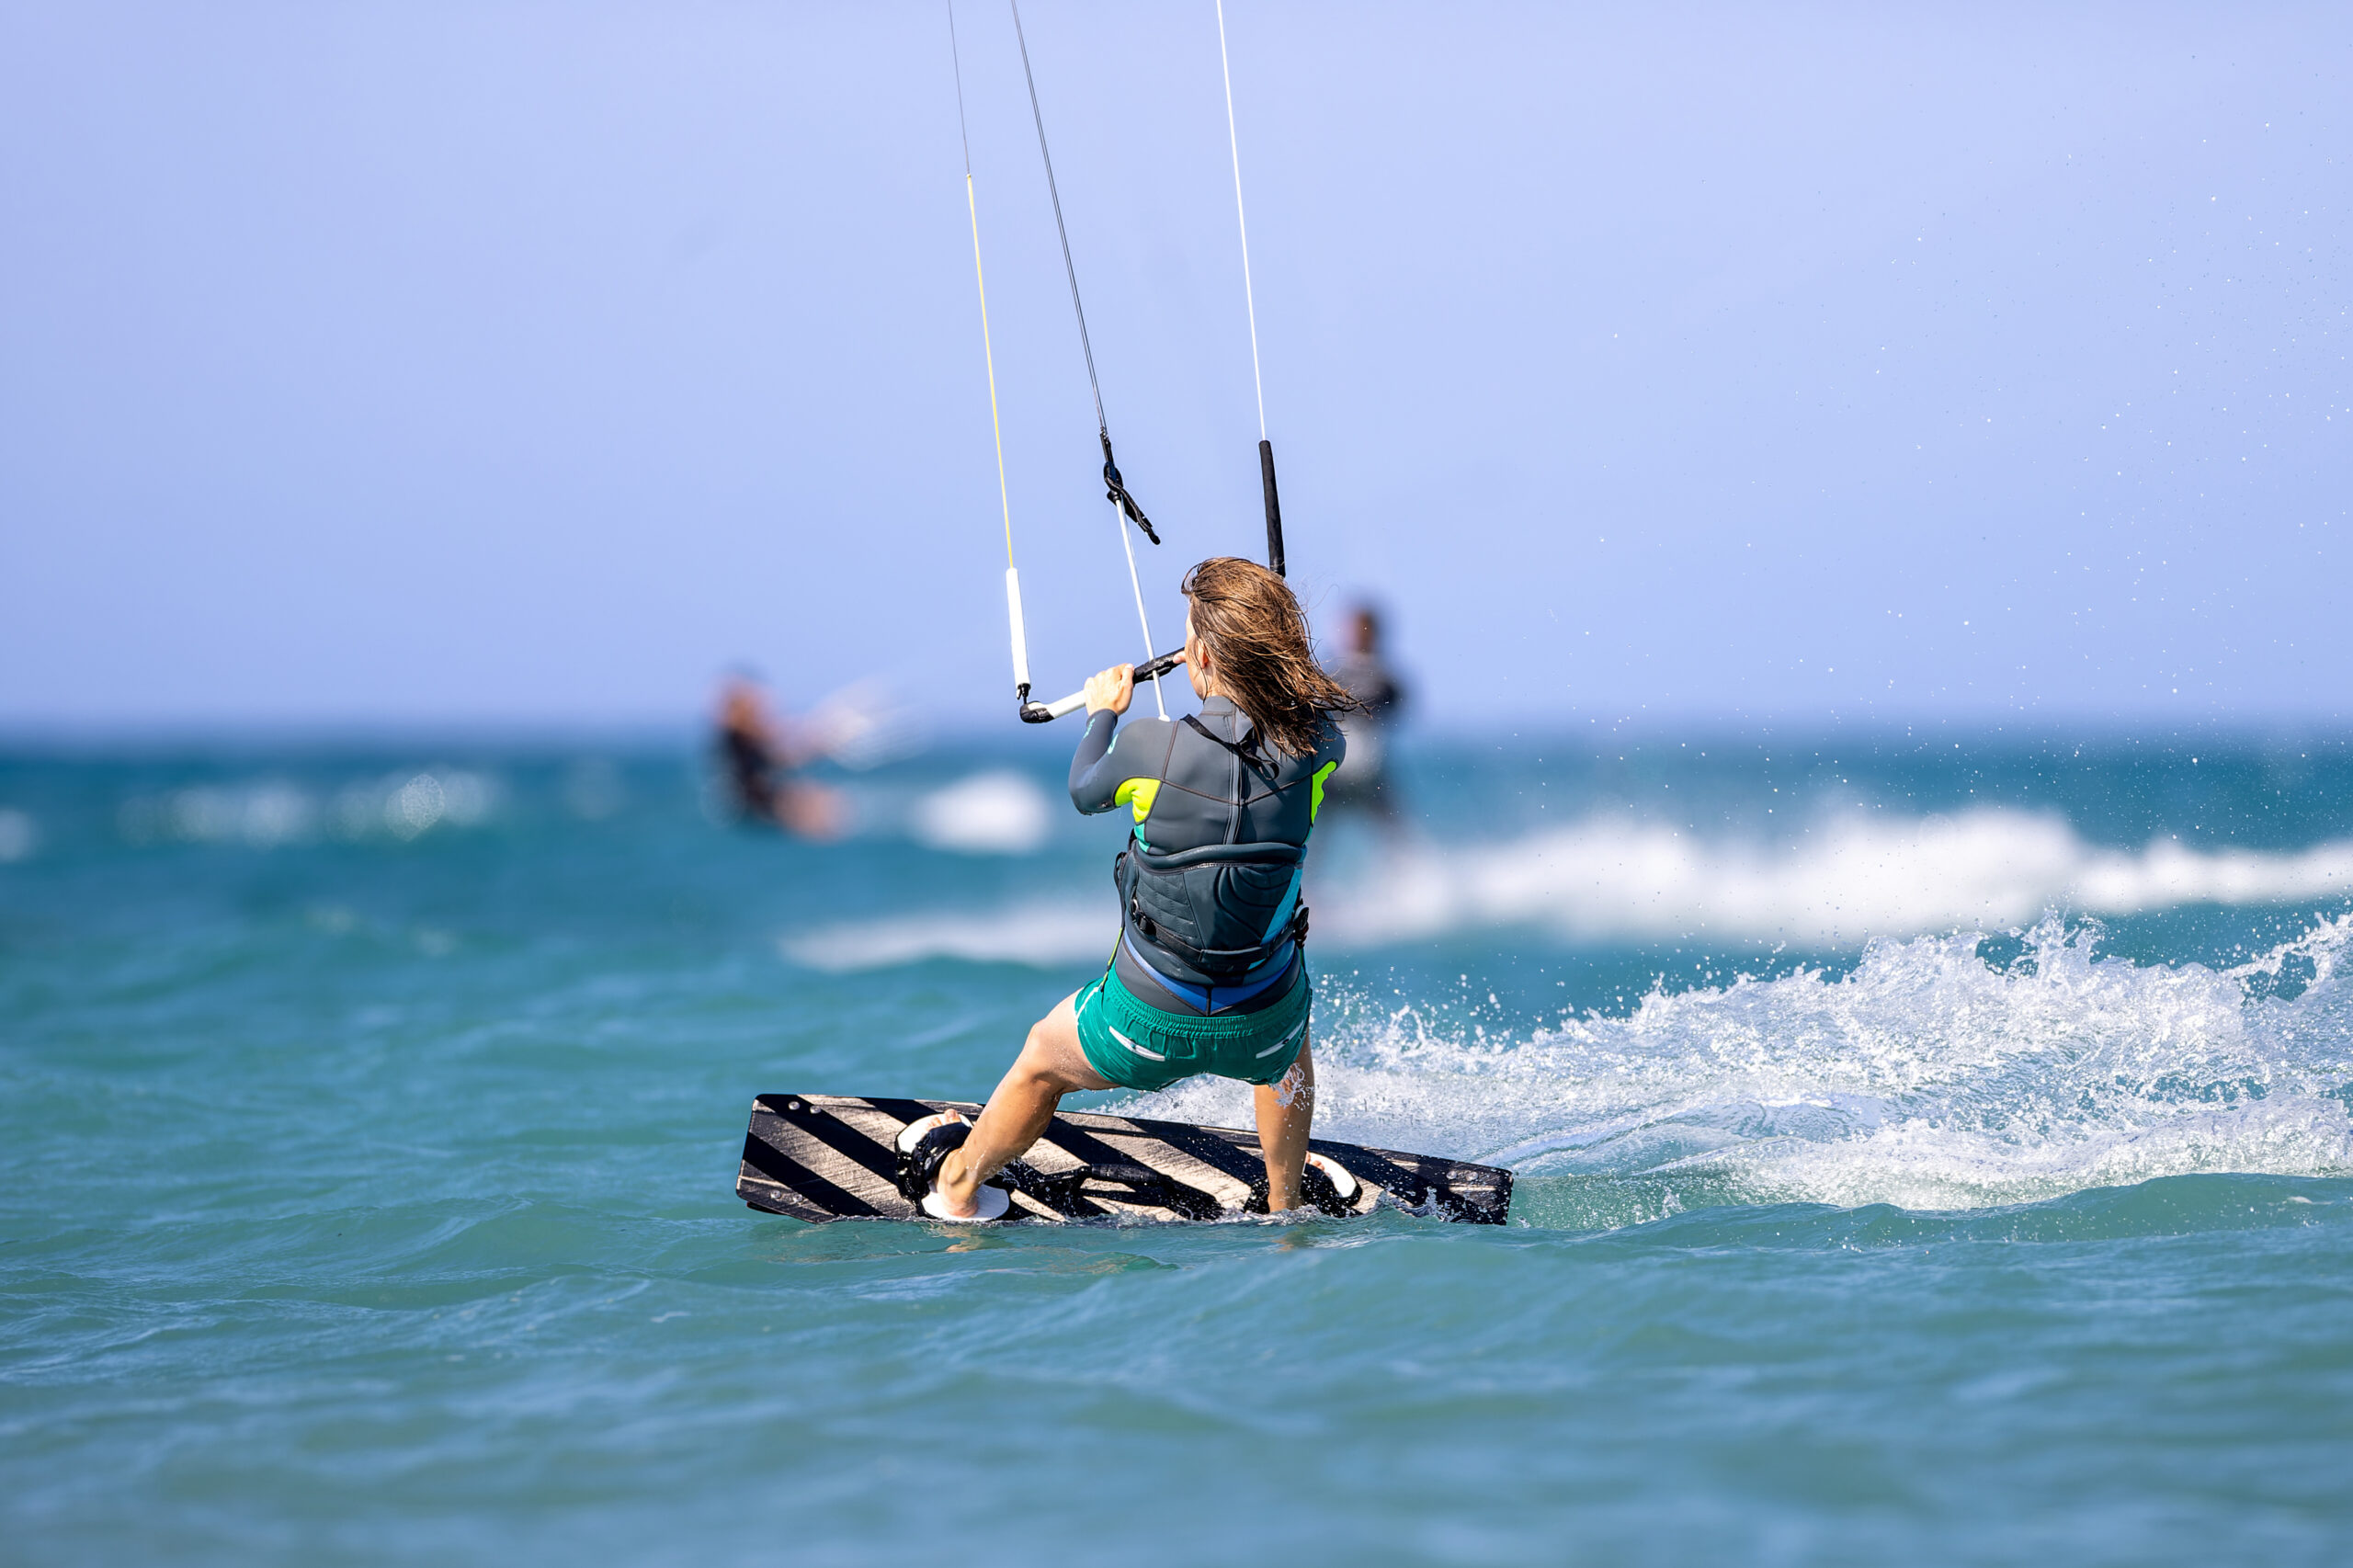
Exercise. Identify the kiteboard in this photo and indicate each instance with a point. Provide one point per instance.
(822, 1157)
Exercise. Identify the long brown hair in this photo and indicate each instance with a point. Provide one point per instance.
(1256, 637)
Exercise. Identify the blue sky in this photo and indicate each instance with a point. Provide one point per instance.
(531, 362)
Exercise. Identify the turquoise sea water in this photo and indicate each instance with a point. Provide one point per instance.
(1933, 1149)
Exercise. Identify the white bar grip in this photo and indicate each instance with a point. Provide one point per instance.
(1077, 699)
(1021, 635)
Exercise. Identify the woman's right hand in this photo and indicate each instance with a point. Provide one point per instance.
(1113, 688)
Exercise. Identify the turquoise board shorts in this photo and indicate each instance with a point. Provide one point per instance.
(1138, 1046)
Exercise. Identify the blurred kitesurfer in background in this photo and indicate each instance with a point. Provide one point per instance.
(1380, 697)
(759, 755)
(1209, 975)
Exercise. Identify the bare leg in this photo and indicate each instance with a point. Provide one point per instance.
(1051, 1065)
(811, 811)
(1285, 1108)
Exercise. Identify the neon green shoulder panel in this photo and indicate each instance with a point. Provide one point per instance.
(1315, 792)
(1139, 794)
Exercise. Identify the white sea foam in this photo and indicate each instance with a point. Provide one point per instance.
(1923, 1078)
(266, 813)
(1041, 935)
(1844, 880)
(989, 813)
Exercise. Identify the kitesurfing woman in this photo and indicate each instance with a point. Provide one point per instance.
(1209, 975)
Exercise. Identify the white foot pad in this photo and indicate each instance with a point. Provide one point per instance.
(994, 1201)
(1341, 1181)
(912, 1133)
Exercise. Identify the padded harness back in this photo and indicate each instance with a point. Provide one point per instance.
(1224, 908)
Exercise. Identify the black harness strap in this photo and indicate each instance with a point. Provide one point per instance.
(1210, 959)
(1247, 749)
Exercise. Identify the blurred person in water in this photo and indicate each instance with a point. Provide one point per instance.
(1365, 785)
(757, 757)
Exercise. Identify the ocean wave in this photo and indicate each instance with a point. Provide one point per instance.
(1925, 1079)
(1838, 884)
(1039, 935)
(263, 814)
(1845, 880)
(999, 813)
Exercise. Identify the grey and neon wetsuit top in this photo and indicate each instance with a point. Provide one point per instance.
(1209, 882)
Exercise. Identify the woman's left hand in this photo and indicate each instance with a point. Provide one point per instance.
(1113, 688)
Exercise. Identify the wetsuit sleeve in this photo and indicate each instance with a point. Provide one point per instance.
(1094, 779)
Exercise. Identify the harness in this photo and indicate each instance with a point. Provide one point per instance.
(1220, 907)
(1224, 909)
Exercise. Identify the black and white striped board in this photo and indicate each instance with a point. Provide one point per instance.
(832, 1157)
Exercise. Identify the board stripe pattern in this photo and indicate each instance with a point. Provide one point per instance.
(823, 1157)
